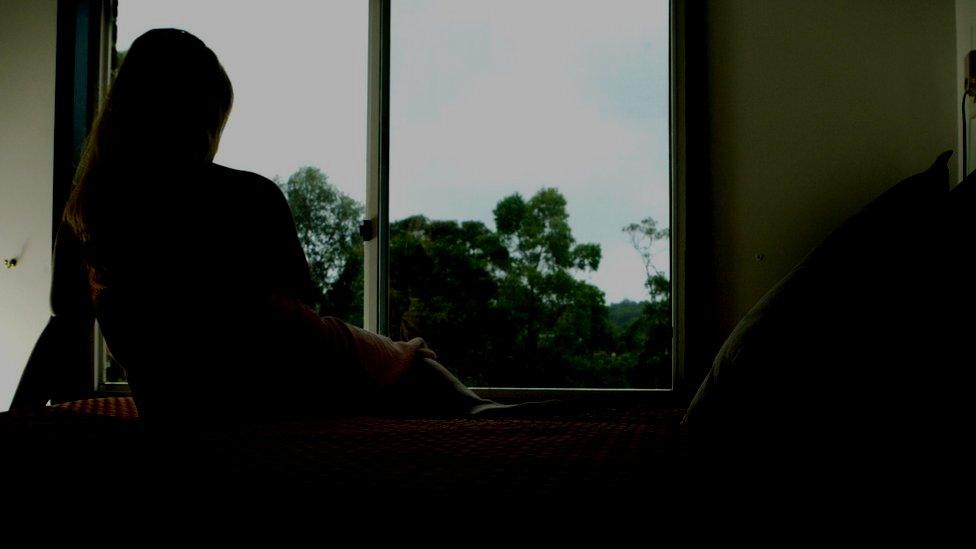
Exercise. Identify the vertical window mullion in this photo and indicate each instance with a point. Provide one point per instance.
(376, 238)
(101, 52)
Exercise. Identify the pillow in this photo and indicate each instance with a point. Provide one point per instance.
(834, 352)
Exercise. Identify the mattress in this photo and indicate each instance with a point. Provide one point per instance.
(613, 450)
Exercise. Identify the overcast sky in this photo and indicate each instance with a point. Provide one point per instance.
(487, 98)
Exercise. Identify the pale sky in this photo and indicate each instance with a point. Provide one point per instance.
(487, 98)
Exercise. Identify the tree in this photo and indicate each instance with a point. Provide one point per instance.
(327, 224)
(345, 299)
(443, 288)
(650, 335)
(538, 234)
(643, 237)
(503, 306)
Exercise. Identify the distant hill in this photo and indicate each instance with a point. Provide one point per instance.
(624, 313)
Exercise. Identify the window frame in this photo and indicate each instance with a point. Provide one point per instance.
(94, 76)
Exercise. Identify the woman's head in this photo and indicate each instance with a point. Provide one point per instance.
(170, 92)
(166, 108)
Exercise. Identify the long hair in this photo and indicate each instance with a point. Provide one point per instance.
(164, 112)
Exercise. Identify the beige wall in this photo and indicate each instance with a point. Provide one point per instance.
(27, 66)
(815, 107)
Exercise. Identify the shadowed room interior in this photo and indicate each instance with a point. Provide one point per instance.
(809, 316)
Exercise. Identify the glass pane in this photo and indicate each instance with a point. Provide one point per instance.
(529, 189)
(299, 115)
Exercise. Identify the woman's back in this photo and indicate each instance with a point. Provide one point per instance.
(204, 233)
(203, 287)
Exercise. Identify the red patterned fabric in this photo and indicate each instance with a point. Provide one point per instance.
(118, 407)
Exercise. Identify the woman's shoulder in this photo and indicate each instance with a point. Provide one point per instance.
(242, 177)
(246, 186)
(247, 192)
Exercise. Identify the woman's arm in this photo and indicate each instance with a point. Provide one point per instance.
(60, 366)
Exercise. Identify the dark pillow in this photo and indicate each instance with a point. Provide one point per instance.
(836, 351)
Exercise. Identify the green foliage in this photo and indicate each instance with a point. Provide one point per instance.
(643, 236)
(621, 315)
(503, 306)
(345, 299)
(538, 234)
(650, 336)
(553, 315)
(327, 223)
(443, 288)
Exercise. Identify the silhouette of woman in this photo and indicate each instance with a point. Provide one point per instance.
(195, 273)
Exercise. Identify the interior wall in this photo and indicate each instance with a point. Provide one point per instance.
(812, 109)
(27, 68)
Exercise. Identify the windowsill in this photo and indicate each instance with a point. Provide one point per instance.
(112, 390)
(653, 397)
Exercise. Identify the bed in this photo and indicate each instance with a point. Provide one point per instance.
(617, 450)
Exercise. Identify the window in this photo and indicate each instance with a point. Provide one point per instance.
(529, 184)
(512, 160)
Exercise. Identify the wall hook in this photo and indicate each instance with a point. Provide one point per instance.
(10, 263)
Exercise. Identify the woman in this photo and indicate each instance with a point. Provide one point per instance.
(195, 273)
